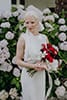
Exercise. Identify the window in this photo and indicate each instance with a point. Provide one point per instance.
(13, 1)
(21, 2)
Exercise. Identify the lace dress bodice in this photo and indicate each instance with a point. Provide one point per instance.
(33, 45)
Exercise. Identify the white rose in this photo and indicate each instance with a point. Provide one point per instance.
(62, 36)
(55, 15)
(6, 67)
(3, 95)
(13, 93)
(9, 35)
(9, 67)
(2, 60)
(3, 67)
(14, 60)
(57, 82)
(3, 43)
(53, 65)
(5, 53)
(49, 18)
(5, 25)
(60, 91)
(63, 28)
(48, 25)
(65, 45)
(61, 46)
(46, 11)
(51, 29)
(16, 72)
(61, 21)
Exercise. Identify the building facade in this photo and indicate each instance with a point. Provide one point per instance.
(38, 3)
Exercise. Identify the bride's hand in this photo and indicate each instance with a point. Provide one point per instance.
(40, 66)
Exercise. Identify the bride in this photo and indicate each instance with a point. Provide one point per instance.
(28, 48)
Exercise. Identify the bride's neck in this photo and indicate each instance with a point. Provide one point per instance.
(35, 32)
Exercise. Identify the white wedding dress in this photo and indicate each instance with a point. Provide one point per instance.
(33, 88)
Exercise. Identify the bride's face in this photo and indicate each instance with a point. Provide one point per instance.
(31, 23)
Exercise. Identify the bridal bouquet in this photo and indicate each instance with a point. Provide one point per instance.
(49, 55)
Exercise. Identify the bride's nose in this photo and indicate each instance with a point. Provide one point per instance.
(29, 25)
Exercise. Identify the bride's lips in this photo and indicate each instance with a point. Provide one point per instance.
(30, 28)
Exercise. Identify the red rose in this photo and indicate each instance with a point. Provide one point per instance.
(52, 49)
(49, 57)
(43, 48)
(51, 52)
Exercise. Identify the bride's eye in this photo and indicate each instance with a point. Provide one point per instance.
(27, 22)
(32, 22)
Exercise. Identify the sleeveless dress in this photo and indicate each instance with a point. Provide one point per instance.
(33, 88)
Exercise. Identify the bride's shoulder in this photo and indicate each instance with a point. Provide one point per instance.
(45, 37)
(22, 35)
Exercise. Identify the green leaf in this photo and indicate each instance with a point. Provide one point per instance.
(63, 56)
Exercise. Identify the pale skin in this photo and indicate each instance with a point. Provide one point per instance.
(32, 25)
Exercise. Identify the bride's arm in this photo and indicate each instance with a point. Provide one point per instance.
(20, 54)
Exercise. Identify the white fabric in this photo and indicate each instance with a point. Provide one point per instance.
(34, 11)
(33, 88)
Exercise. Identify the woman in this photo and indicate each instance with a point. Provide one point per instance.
(28, 47)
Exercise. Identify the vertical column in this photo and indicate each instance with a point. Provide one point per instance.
(18, 2)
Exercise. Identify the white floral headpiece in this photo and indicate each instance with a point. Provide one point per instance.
(33, 11)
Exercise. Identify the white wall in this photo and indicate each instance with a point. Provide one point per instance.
(40, 3)
(5, 5)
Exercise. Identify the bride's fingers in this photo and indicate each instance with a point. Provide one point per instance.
(43, 66)
(38, 68)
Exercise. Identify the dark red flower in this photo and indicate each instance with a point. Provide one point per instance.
(49, 45)
(49, 57)
(50, 51)
(43, 48)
